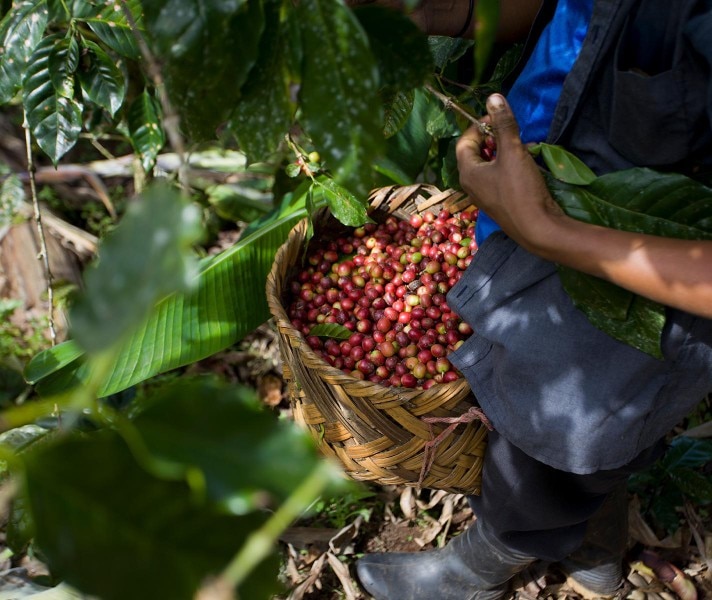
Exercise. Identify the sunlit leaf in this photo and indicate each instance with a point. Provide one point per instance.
(343, 204)
(152, 245)
(226, 303)
(109, 22)
(338, 93)
(157, 541)
(12, 197)
(52, 360)
(565, 166)
(101, 80)
(331, 330)
(21, 30)
(445, 50)
(55, 121)
(145, 131)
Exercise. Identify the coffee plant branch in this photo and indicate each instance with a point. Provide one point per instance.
(451, 104)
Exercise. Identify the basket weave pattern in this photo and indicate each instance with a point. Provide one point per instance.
(376, 432)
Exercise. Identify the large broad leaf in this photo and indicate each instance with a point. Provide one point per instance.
(241, 451)
(20, 31)
(341, 111)
(101, 79)
(145, 131)
(110, 529)
(640, 201)
(343, 204)
(55, 120)
(226, 303)
(207, 47)
(446, 49)
(144, 259)
(264, 112)
(109, 22)
(397, 109)
(401, 50)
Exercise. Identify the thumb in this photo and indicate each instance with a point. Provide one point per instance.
(504, 124)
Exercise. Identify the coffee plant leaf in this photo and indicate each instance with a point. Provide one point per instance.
(687, 452)
(212, 428)
(397, 109)
(62, 64)
(148, 538)
(445, 49)
(207, 48)
(346, 207)
(101, 80)
(331, 330)
(145, 129)
(109, 22)
(341, 111)
(637, 200)
(55, 120)
(265, 111)
(565, 166)
(21, 30)
(401, 50)
(153, 245)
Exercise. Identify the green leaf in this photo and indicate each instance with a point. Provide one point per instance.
(111, 25)
(686, 452)
(21, 30)
(696, 486)
(486, 23)
(241, 450)
(235, 202)
(443, 124)
(52, 360)
(338, 93)
(208, 48)
(100, 78)
(264, 112)
(331, 330)
(565, 166)
(640, 201)
(144, 259)
(401, 50)
(445, 50)
(63, 62)
(55, 121)
(397, 109)
(145, 131)
(226, 303)
(104, 524)
(343, 204)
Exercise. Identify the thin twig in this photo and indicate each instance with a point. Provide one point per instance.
(450, 104)
(44, 256)
(171, 119)
(694, 523)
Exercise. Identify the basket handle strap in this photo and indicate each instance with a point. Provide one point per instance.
(474, 413)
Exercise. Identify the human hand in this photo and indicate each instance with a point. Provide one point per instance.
(510, 187)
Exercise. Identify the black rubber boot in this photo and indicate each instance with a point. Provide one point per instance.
(472, 566)
(596, 569)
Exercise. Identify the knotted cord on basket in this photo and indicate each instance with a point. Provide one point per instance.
(430, 447)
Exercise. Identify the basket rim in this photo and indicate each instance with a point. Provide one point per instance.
(297, 235)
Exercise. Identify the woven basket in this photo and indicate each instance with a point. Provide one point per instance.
(378, 433)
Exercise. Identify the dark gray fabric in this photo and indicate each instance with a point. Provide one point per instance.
(563, 391)
(541, 511)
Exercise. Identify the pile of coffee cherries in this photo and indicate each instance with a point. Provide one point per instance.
(386, 283)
